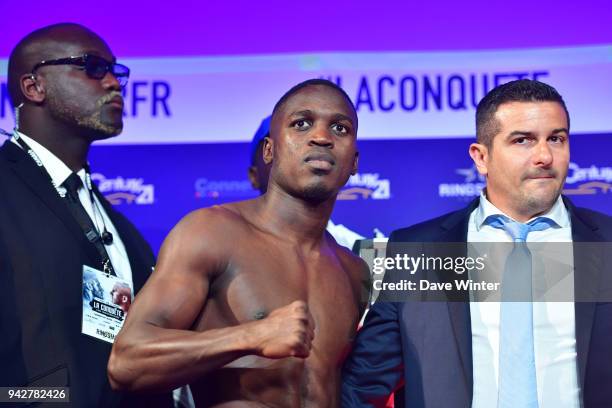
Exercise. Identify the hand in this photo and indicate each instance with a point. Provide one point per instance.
(286, 332)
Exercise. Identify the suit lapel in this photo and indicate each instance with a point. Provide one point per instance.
(587, 266)
(32, 176)
(455, 230)
(138, 261)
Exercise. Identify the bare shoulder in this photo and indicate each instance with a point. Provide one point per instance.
(358, 272)
(204, 236)
(357, 267)
(205, 224)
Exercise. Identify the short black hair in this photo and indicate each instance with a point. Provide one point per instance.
(522, 90)
(312, 82)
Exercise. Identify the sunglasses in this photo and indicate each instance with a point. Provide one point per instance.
(95, 67)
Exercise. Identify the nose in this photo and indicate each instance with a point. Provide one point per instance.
(110, 82)
(543, 154)
(321, 136)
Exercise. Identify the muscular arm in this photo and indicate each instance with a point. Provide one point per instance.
(360, 279)
(155, 350)
(365, 287)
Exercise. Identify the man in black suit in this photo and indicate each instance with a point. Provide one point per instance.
(460, 353)
(55, 225)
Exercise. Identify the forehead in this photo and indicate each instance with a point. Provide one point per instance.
(531, 114)
(75, 42)
(319, 99)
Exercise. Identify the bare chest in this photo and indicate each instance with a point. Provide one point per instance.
(264, 279)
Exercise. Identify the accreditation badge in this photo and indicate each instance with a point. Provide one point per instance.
(106, 301)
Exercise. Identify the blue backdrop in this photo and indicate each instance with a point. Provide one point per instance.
(400, 182)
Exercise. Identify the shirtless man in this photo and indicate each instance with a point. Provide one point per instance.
(253, 303)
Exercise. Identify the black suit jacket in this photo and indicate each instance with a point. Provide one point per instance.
(42, 253)
(429, 344)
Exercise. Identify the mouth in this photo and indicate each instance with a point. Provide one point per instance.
(542, 176)
(320, 161)
(116, 102)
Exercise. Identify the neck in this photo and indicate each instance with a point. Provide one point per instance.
(293, 218)
(520, 214)
(66, 144)
(522, 217)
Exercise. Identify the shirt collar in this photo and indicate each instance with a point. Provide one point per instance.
(557, 213)
(56, 168)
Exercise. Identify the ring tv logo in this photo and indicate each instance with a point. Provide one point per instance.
(473, 183)
(366, 186)
(205, 188)
(121, 190)
(580, 181)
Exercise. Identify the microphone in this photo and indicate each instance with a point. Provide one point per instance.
(107, 237)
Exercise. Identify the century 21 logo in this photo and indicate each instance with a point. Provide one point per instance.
(366, 186)
(121, 190)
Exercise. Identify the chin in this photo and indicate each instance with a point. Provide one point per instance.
(115, 131)
(317, 193)
(111, 125)
(99, 134)
(540, 203)
(108, 129)
(101, 129)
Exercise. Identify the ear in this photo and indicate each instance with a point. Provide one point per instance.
(253, 177)
(355, 164)
(268, 150)
(31, 88)
(480, 156)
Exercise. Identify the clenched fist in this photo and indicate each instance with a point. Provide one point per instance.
(286, 332)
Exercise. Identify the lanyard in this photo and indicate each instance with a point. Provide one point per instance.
(94, 237)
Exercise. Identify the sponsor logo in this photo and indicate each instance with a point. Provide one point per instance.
(205, 188)
(580, 181)
(472, 185)
(366, 186)
(588, 180)
(121, 190)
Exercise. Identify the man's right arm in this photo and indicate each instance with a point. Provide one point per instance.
(374, 368)
(156, 351)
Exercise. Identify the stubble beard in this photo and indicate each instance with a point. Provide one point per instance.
(540, 203)
(89, 121)
(316, 193)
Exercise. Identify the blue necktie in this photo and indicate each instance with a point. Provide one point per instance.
(517, 371)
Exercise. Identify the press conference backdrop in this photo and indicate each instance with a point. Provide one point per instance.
(188, 121)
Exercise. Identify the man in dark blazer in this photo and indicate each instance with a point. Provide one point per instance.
(66, 88)
(445, 354)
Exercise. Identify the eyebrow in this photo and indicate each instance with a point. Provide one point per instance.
(306, 112)
(340, 116)
(335, 116)
(526, 133)
(560, 130)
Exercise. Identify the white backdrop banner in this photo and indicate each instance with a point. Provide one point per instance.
(397, 95)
